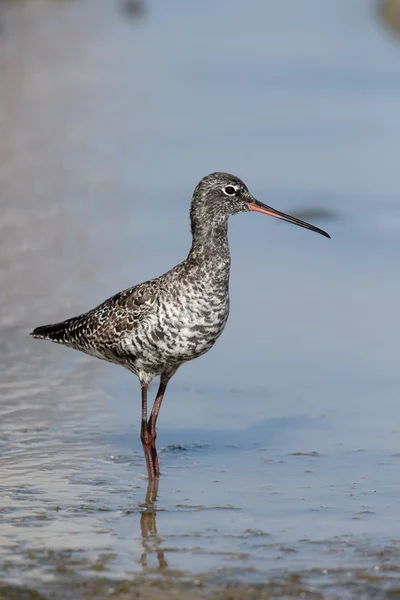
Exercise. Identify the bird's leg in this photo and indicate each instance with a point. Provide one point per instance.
(151, 425)
(148, 449)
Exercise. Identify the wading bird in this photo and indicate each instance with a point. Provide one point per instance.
(156, 326)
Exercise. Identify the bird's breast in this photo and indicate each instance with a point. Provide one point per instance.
(186, 326)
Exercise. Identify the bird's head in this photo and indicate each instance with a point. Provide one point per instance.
(221, 195)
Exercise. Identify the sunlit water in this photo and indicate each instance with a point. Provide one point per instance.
(280, 449)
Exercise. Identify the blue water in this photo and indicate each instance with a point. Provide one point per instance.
(280, 448)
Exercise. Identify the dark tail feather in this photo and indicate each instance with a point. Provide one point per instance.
(55, 332)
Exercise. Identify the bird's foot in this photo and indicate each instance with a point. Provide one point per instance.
(150, 454)
(155, 462)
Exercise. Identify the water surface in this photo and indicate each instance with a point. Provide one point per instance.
(280, 448)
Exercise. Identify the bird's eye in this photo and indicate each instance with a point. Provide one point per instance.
(229, 190)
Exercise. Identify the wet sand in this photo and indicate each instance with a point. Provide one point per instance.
(280, 448)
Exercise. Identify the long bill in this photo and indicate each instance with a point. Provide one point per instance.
(257, 206)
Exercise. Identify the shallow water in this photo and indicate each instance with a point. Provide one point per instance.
(279, 449)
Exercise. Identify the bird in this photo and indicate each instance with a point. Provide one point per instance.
(155, 327)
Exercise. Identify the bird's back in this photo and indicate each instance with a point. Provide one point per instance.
(99, 330)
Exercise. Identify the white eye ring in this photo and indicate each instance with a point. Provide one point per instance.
(230, 188)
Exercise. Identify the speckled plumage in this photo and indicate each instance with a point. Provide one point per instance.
(156, 326)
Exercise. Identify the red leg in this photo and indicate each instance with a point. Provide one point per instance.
(148, 448)
(151, 425)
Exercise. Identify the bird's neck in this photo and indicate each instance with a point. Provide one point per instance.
(210, 248)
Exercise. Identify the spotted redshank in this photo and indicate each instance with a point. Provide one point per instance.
(156, 326)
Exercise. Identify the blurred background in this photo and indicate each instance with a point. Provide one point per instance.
(280, 447)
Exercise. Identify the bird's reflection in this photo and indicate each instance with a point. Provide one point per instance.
(148, 525)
